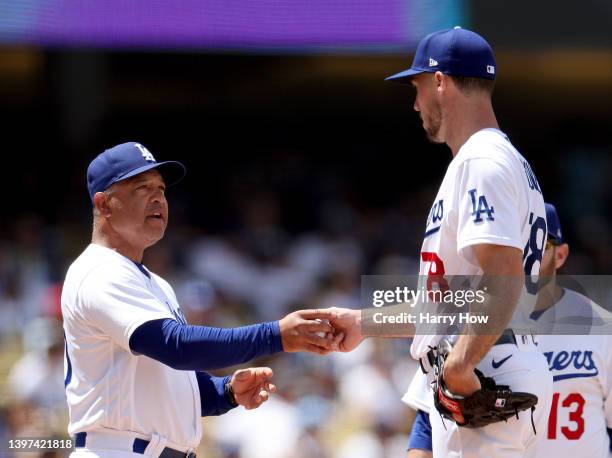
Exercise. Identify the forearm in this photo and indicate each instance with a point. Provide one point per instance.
(212, 394)
(498, 307)
(186, 347)
(501, 286)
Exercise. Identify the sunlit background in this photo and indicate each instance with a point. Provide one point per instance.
(305, 171)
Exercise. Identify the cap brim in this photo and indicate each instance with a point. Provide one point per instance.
(172, 171)
(403, 77)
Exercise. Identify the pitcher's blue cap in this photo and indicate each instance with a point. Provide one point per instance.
(124, 161)
(554, 225)
(458, 52)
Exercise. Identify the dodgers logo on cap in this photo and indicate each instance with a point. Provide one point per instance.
(146, 154)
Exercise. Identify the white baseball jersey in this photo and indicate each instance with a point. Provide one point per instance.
(105, 298)
(489, 195)
(581, 365)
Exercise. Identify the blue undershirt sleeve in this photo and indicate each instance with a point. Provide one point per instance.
(186, 347)
(212, 394)
(420, 437)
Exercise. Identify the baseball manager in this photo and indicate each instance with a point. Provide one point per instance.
(134, 369)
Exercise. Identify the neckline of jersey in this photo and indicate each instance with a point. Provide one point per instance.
(143, 269)
(140, 266)
(486, 129)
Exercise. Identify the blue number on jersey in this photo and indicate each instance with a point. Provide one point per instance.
(534, 250)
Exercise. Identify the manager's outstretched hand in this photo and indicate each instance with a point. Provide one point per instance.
(306, 330)
(252, 387)
(347, 322)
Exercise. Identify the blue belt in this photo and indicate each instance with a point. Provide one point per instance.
(80, 439)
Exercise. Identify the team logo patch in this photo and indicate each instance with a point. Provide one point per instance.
(146, 154)
(480, 206)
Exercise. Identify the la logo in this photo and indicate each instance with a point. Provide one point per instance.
(146, 154)
(480, 206)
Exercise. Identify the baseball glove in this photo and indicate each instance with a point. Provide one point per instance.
(490, 404)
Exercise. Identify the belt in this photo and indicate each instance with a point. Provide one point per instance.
(139, 446)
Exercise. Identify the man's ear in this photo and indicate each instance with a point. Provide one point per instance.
(561, 254)
(438, 76)
(440, 81)
(100, 201)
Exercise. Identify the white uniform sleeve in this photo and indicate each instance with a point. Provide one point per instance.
(418, 396)
(487, 206)
(116, 301)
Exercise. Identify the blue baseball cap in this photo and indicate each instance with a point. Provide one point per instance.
(554, 225)
(457, 51)
(127, 160)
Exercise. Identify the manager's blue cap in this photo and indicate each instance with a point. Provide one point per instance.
(124, 161)
(458, 52)
(554, 226)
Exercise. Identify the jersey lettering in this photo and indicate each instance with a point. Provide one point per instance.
(437, 212)
(435, 216)
(480, 206)
(580, 361)
(531, 178)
